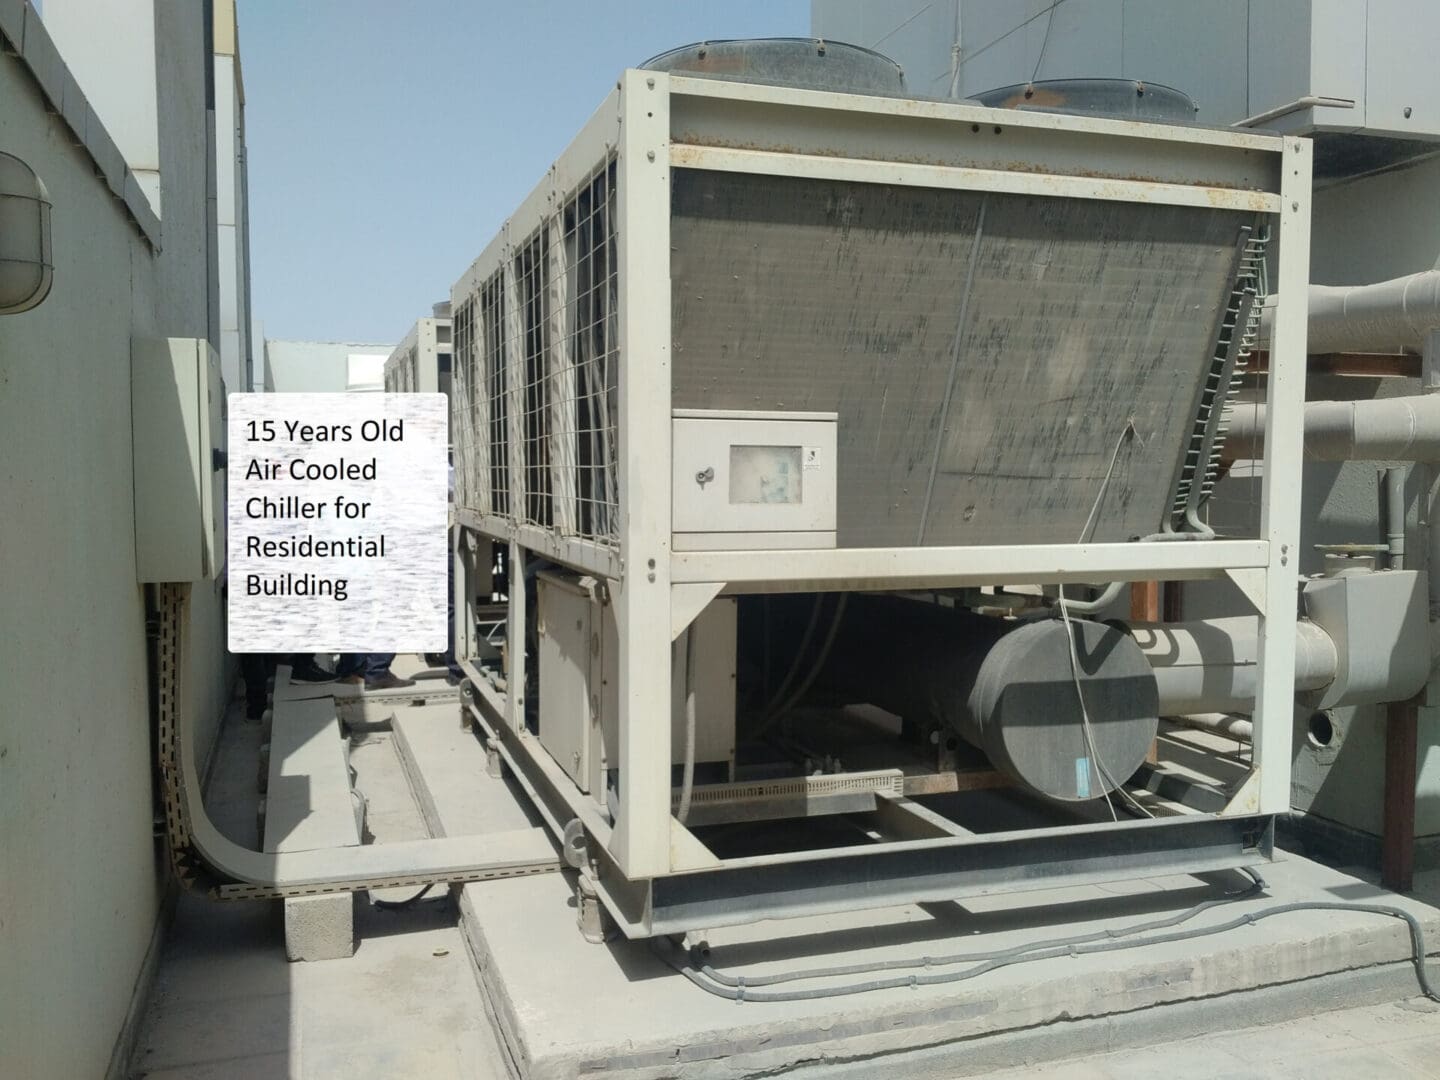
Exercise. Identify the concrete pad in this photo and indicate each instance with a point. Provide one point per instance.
(309, 807)
(226, 1004)
(440, 759)
(308, 802)
(567, 1008)
(1297, 1050)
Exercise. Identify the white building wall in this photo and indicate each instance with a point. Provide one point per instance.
(1235, 58)
(111, 48)
(80, 881)
(1378, 227)
(232, 205)
(318, 367)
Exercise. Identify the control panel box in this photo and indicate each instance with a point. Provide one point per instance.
(177, 400)
(579, 659)
(753, 480)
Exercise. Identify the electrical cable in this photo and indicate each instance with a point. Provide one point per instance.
(1127, 432)
(687, 775)
(902, 26)
(784, 687)
(409, 901)
(697, 954)
(742, 992)
(1086, 733)
(1013, 30)
(1102, 774)
(1045, 41)
(820, 657)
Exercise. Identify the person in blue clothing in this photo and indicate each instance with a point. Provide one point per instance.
(370, 669)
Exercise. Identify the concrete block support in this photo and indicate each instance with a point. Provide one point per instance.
(320, 927)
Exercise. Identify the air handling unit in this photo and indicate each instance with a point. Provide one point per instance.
(793, 404)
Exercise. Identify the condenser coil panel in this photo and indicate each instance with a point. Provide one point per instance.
(986, 353)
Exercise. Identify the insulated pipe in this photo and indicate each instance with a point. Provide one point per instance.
(1208, 666)
(1390, 429)
(1107, 597)
(1005, 686)
(1394, 508)
(1219, 723)
(1385, 317)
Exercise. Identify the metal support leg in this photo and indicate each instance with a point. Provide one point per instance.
(1145, 607)
(642, 598)
(589, 912)
(1280, 490)
(515, 639)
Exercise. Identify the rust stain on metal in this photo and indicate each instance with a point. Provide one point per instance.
(1366, 365)
(684, 140)
(1035, 97)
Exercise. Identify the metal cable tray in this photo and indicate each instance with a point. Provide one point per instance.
(205, 859)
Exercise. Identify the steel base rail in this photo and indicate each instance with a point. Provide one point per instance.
(204, 859)
(739, 891)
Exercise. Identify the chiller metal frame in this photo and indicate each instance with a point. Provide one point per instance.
(652, 874)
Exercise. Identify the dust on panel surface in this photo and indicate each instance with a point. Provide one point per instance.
(1078, 315)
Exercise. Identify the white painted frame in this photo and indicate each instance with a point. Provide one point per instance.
(653, 123)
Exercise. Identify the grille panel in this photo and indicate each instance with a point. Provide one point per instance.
(1087, 332)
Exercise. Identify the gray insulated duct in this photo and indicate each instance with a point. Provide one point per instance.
(1005, 687)
(1382, 317)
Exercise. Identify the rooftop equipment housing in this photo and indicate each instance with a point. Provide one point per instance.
(749, 339)
(421, 363)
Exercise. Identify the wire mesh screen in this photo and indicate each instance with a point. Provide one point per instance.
(1006, 368)
(463, 410)
(590, 377)
(492, 386)
(537, 373)
(532, 285)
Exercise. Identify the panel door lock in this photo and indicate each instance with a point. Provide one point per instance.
(705, 475)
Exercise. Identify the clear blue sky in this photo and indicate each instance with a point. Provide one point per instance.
(389, 139)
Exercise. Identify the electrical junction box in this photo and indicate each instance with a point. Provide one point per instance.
(177, 399)
(1379, 623)
(579, 657)
(753, 480)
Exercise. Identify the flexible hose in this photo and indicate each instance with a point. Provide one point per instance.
(820, 658)
(784, 687)
(687, 776)
(409, 901)
(1091, 607)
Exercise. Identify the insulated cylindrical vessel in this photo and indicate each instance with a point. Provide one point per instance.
(1004, 686)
